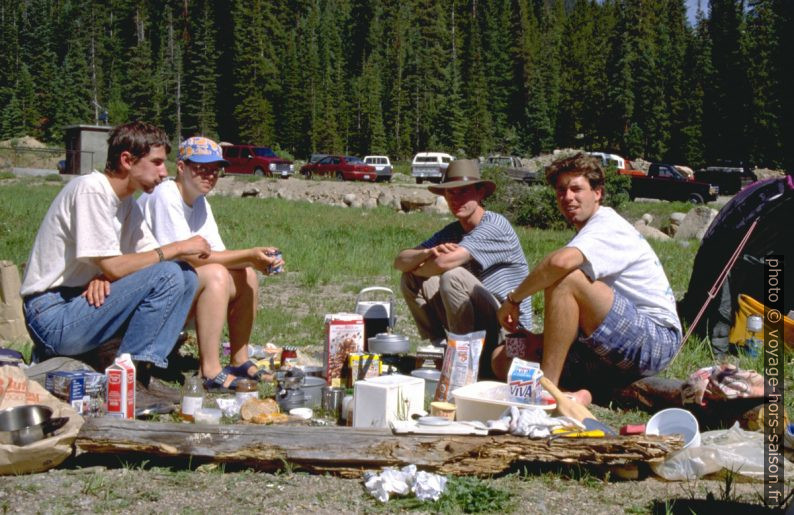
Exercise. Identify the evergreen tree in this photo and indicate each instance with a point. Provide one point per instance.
(200, 89)
(478, 115)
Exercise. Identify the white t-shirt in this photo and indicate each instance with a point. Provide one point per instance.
(617, 255)
(171, 219)
(86, 220)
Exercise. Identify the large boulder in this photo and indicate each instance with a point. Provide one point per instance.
(695, 223)
(649, 232)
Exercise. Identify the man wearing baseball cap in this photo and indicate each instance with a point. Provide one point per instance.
(455, 280)
(228, 285)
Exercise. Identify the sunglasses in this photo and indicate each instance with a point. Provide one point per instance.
(205, 170)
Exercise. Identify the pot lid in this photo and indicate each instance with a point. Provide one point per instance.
(388, 338)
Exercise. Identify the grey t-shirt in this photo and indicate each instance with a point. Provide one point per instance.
(497, 258)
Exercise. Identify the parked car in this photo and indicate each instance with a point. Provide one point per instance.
(344, 168)
(382, 166)
(316, 157)
(730, 176)
(666, 182)
(512, 166)
(430, 166)
(261, 161)
(623, 165)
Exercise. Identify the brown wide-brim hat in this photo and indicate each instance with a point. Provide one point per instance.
(460, 173)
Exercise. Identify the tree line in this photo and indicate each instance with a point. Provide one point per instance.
(398, 76)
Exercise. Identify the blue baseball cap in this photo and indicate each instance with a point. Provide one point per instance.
(199, 149)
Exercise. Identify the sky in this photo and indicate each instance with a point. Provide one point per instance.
(692, 7)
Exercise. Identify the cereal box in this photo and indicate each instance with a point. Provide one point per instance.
(344, 335)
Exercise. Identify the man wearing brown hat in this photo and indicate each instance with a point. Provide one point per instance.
(455, 280)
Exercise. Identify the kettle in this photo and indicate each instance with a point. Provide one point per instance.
(379, 316)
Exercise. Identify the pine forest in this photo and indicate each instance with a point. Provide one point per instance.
(469, 77)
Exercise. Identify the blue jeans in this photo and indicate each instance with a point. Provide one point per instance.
(148, 308)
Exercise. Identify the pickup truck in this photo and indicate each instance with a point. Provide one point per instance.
(730, 176)
(665, 182)
(624, 166)
(513, 167)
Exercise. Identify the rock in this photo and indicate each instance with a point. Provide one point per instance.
(695, 223)
(356, 203)
(651, 233)
(439, 207)
(648, 218)
(250, 192)
(349, 198)
(370, 203)
(417, 200)
(676, 218)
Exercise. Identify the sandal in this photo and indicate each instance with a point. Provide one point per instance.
(242, 371)
(216, 384)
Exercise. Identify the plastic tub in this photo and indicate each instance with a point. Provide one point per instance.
(675, 421)
(207, 416)
(487, 400)
(431, 377)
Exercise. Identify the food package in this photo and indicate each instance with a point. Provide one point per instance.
(344, 335)
(524, 381)
(254, 407)
(461, 363)
(84, 390)
(357, 361)
(121, 387)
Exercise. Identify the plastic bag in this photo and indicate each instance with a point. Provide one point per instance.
(733, 449)
(461, 363)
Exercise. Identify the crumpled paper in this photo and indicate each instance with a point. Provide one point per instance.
(532, 422)
(425, 485)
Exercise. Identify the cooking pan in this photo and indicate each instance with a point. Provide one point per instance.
(388, 343)
(24, 425)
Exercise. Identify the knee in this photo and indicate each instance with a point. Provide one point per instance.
(453, 280)
(175, 274)
(571, 283)
(408, 284)
(215, 276)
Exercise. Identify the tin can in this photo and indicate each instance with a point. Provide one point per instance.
(275, 269)
(289, 357)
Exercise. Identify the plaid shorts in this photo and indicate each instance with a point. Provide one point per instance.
(625, 347)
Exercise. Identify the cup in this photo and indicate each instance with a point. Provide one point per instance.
(332, 399)
(443, 409)
(675, 421)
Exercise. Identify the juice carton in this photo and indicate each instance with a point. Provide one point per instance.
(121, 387)
(344, 335)
(524, 381)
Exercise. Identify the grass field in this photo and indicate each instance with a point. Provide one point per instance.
(332, 253)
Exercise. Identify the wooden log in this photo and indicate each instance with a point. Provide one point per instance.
(349, 452)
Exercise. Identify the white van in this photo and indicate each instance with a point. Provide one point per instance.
(430, 166)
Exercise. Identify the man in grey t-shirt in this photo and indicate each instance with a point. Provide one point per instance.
(456, 280)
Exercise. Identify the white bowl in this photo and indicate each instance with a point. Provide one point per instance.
(207, 416)
(675, 421)
(302, 413)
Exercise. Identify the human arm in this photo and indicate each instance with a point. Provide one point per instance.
(427, 262)
(116, 267)
(260, 258)
(551, 269)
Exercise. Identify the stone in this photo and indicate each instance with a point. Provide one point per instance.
(677, 217)
(651, 233)
(371, 203)
(250, 192)
(695, 223)
(648, 218)
(349, 198)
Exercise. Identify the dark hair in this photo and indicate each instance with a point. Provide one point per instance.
(137, 138)
(581, 164)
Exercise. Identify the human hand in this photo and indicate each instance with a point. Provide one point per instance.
(96, 291)
(508, 316)
(265, 259)
(195, 246)
(444, 248)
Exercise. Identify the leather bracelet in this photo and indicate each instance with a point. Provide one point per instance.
(509, 298)
(160, 254)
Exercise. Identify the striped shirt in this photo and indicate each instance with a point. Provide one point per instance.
(497, 259)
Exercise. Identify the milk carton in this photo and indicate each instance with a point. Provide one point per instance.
(523, 378)
(121, 387)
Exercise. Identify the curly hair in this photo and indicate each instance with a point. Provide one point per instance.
(137, 138)
(581, 164)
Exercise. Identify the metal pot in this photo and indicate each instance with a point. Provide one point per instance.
(388, 343)
(24, 425)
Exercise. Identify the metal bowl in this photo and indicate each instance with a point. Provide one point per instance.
(23, 425)
(388, 343)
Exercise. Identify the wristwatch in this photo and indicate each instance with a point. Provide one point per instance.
(511, 300)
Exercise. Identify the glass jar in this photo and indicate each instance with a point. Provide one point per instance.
(192, 397)
(289, 357)
(246, 389)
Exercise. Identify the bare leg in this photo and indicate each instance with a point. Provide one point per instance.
(212, 302)
(242, 312)
(572, 302)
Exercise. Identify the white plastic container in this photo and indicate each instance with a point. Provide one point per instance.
(487, 400)
(675, 421)
(380, 400)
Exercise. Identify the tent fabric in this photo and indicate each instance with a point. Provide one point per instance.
(769, 201)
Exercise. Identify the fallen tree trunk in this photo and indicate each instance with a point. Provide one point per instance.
(349, 452)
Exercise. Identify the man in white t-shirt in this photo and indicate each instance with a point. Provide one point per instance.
(228, 286)
(610, 315)
(96, 272)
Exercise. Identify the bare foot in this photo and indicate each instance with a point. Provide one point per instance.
(583, 397)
